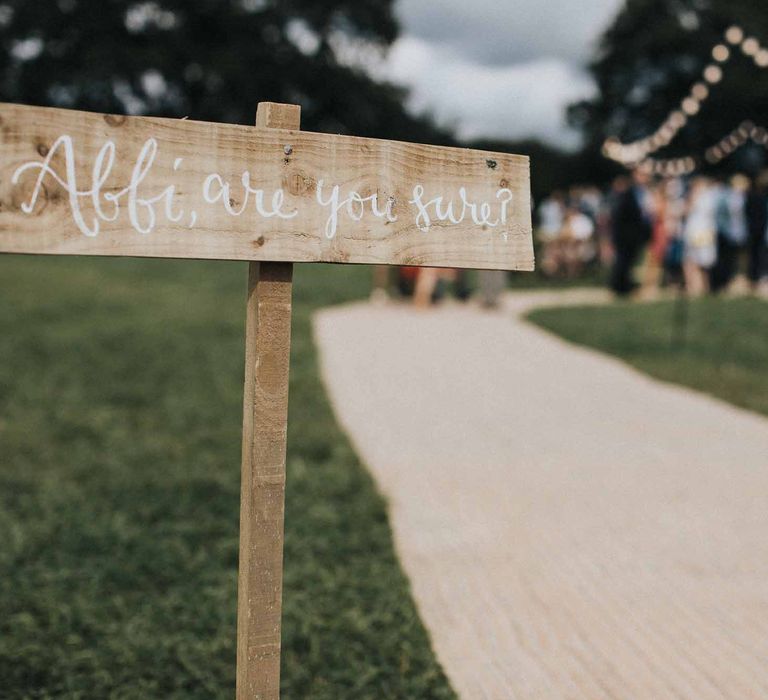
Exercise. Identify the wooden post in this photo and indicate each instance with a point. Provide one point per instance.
(383, 202)
(262, 490)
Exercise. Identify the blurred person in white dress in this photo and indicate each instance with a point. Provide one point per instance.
(700, 235)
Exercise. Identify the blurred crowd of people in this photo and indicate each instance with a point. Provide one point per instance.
(698, 233)
(428, 285)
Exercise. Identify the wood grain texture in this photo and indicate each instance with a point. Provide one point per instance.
(262, 490)
(276, 159)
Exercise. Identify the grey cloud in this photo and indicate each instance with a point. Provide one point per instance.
(498, 68)
(516, 101)
(494, 32)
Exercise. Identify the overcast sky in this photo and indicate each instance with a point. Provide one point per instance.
(499, 68)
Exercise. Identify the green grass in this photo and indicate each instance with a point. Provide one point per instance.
(724, 351)
(591, 277)
(120, 418)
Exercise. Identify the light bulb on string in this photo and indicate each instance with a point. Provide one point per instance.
(677, 119)
(690, 106)
(750, 46)
(721, 53)
(761, 58)
(734, 35)
(700, 91)
(713, 74)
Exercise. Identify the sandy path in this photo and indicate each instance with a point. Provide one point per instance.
(571, 528)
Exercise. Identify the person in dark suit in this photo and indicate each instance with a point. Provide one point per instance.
(632, 224)
(757, 222)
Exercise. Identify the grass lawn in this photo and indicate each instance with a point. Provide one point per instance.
(591, 277)
(120, 418)
(724, 352)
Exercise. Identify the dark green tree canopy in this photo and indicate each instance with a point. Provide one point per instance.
(650, 57)
(208, 59)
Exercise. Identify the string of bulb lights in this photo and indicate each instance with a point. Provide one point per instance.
(636, 153)
(732, 141)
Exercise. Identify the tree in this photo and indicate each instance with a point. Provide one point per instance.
(650, 57)
(209, 59)
(551, 167)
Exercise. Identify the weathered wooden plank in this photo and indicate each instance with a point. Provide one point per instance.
(262, 490)
(89, 184)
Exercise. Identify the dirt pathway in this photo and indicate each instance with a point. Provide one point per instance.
(571, 528)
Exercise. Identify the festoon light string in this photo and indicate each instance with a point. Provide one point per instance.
(636, 153)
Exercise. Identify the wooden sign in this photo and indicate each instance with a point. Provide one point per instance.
(76, 183)
(82, 183)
